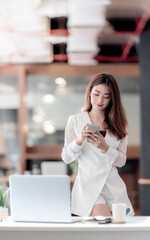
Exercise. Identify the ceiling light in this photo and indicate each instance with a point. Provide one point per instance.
(48, 98)
(61, 82)
(49, 127)
(38, 117)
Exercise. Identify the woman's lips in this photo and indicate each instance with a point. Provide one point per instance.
(99, 105)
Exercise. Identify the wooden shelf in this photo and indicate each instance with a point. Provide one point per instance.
(64, 69)
(133, 152)
(54, 152)
(44, 152)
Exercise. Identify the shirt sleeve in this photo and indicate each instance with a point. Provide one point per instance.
(117, 157)
(71, 149)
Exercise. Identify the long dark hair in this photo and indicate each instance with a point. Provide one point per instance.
(115, 117)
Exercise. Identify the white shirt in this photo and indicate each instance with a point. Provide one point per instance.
(95, 169)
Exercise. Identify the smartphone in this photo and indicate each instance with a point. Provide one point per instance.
(93, 127)
(101, 219)
(96, 128)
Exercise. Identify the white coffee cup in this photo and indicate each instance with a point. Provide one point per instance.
(119, 212)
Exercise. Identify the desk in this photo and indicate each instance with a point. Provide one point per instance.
(136, 228)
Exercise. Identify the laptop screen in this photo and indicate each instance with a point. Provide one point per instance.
(40, 198)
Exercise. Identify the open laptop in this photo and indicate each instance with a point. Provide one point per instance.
(40, 198)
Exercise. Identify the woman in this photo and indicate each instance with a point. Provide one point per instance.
(98, 184)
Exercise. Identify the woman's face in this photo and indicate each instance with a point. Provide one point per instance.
(100, 97)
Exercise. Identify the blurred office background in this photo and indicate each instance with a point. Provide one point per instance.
(49, 51)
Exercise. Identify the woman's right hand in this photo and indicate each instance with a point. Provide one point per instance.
(80, 140)
(85, 134)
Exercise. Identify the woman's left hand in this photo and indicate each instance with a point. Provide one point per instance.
(99, 142)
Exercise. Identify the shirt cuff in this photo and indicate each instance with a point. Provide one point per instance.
(110, 156)
(75, 147)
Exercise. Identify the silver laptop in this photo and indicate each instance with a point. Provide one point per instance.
(40, 198)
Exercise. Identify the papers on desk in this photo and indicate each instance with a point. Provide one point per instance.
(99, 219)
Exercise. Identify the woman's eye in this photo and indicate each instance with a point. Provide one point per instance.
(106, 97)
(96, 94)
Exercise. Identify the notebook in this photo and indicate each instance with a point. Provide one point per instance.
(38, 198)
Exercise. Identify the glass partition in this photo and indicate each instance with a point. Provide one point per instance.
(9, 142)
(51, 100)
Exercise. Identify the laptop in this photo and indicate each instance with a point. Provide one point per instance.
(37, 198)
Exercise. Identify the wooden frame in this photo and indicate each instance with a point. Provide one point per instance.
(57, 69)
(63, 69)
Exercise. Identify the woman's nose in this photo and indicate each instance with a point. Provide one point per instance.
(101, 99)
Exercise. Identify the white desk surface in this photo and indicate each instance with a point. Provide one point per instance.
(132, 224)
